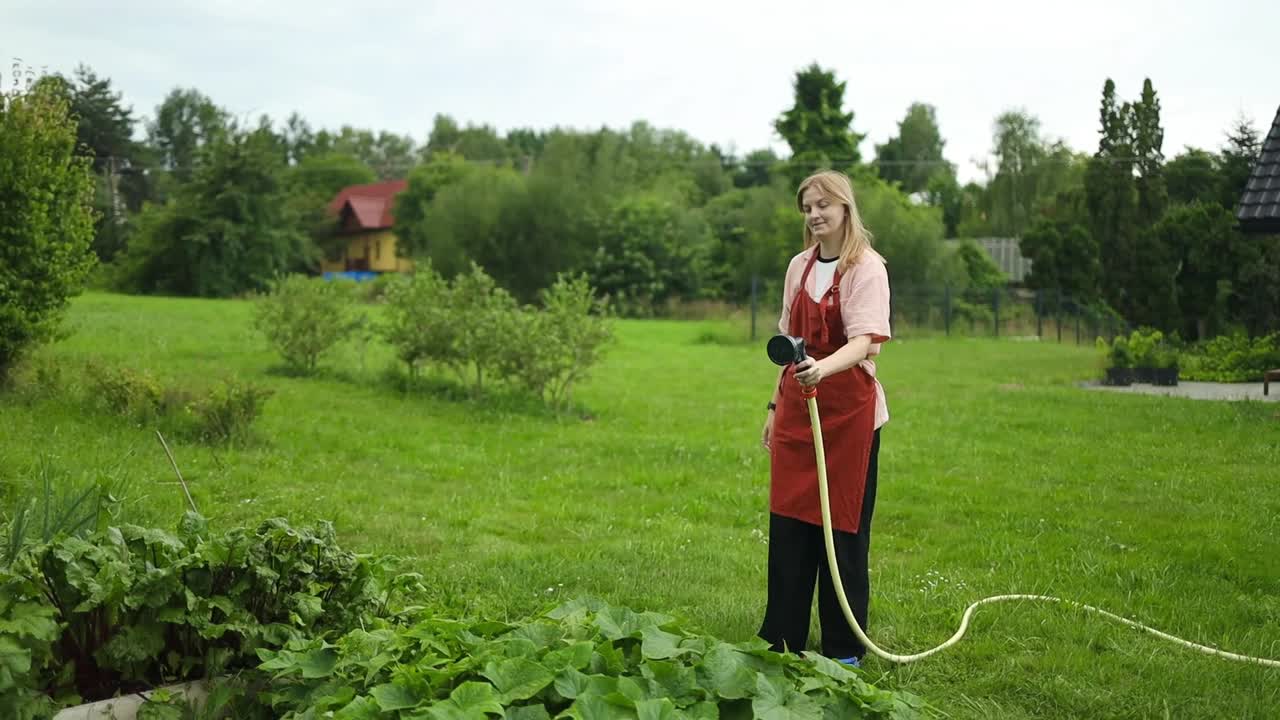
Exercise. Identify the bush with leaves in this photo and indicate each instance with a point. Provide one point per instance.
(419, 319)
(216, 414)
(483, 315)
(134, 394)
(226, 411)
(227, 231)
(551, 348)
(130, 608)
(651, 252)
(60, 506)
(1232, 358)
(977, 315)
(477, 329)
(46, 192)
(584, 660)
(1117, 353)
(305, 317)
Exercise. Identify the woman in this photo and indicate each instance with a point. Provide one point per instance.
(835, 296)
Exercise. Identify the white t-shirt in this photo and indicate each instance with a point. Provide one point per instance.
(824, 271)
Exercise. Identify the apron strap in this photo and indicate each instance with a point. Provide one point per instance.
(829, 298)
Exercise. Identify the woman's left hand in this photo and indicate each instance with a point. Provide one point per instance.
(810, 372)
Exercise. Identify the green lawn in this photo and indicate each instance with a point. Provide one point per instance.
(998, 475)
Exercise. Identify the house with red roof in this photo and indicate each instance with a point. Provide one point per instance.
(364, 218)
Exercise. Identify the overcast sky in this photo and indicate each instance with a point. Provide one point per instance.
(720, 70)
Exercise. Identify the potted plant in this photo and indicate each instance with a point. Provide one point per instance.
(1165, 371)
(1144, 349)
(1119, 361)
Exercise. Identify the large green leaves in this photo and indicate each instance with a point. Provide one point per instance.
(317, 629)
(584, 660)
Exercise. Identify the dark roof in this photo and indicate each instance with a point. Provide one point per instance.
(1260, 204)
(370, 204)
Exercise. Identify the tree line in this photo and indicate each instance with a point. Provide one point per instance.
(194, 201)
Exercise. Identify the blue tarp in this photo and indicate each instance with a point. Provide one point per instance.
(357, 275)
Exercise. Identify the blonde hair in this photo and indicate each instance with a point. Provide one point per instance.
(857, 238)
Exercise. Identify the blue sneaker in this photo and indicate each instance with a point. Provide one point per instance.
(853, 661)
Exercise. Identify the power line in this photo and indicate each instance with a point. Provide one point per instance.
(731, 163)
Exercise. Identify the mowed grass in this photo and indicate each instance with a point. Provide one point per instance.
(998, 475)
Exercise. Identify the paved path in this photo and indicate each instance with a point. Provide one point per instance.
(1197, 390)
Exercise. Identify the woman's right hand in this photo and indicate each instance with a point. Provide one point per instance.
(767, 435)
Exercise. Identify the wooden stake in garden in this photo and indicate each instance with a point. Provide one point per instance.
(174, 463)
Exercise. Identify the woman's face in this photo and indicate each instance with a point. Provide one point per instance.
(823, 215)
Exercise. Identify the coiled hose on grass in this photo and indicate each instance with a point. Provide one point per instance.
(811, 396)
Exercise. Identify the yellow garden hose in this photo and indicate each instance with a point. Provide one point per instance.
(810, 395)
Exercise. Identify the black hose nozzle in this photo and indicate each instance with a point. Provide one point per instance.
(786, 349)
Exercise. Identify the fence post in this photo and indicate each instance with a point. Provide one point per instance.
(995, 309)
(1077, 326)
(755, 282)
(1057, 315)
(1039, 314)
(946, 309)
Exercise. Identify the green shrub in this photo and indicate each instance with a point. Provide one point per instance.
(419, 319)
(1143, 345)
(552, 348)
(217, 413)
(476, 329)
(303, 318)
(375, 290)
(308, 629)
(482, 322)
(583, 659)
(135, 394)
(976, 315)
(1141, 348)
(58, 506)
(128, 608)
(226, 411)
(1116, 353)
(46, 200)
(1232, 358)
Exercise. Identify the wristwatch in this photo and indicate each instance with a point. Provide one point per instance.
(772, 406)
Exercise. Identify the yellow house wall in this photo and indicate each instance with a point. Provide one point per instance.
(381, 246)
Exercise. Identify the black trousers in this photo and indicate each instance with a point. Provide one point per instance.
(798, 556)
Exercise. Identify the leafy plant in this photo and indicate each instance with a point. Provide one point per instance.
(136, 394)
(303, 318)
(476, 328)
(481, 318)
(584, 660)
(1232, 358)
(418, 319)
(129, 607)
(1144, 344)
(45, 239)
(226, 411)
(976, 315)
(216, 414)
(551, 349)
(58, 509)
(1117, 353)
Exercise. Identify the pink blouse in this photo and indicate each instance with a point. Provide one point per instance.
(864, 305)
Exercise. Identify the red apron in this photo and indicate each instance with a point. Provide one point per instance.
(847, 408)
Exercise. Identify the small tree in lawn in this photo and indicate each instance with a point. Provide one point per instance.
(303, 318)
(46, 201)
(556, 346)
(579, 325)
(419, 319)
(483, 315)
